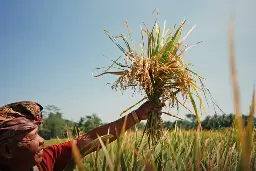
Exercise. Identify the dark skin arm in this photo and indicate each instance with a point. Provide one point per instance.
(115, 128)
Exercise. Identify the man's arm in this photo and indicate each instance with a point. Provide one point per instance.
(115, 128)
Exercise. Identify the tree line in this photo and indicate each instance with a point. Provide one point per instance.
(56, 126)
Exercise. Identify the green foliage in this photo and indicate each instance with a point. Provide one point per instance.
(87, 123)
(53, 123)
(56, 126)
(215, 122)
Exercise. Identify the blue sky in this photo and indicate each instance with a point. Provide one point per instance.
(48, 50)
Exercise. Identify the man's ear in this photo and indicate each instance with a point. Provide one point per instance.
(6, 150)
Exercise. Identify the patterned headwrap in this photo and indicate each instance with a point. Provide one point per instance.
(17, 118)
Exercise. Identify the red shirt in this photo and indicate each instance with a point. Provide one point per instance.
(56, 157)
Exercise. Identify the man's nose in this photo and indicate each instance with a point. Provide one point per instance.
(41, 140)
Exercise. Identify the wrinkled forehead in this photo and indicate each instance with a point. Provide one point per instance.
(32, 133)
(16, 129)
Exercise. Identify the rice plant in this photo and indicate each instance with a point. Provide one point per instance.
(158, 71)
(177, 150)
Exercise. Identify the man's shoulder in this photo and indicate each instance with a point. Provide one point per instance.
(55, 156)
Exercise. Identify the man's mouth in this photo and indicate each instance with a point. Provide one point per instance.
(41, 150)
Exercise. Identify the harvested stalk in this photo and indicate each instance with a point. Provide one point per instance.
(158, 72)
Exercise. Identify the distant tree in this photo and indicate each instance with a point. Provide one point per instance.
(191, 117)
(54, 124)
(214, 122)
(88, 123)
(167, 124)
(206, 123)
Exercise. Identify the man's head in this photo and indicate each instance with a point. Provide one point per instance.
(19, 137)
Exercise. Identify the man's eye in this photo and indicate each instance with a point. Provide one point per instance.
(34, 136)
(30, 138)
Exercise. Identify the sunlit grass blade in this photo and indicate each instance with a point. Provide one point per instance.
(239, 119)
(108, 158)
(94, 144)
(123, 165)
(132, 106)
(76, 160)
(239, 123)
(195, 109)
(249, 131)
(184, 38)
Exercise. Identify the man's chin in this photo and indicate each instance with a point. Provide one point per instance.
(38, 158)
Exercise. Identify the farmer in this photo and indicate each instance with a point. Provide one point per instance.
(22, 149)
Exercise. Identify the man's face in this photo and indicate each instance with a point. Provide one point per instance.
(30, 148)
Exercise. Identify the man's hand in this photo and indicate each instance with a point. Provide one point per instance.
(115, 128)
(144, 109)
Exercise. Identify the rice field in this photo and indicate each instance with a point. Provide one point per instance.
(177, 150)
(182, 150)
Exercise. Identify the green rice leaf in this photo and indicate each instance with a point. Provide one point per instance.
(170, 46)
(184, 38)
(126, 43)
(123, 165)
(130, 35)
(114, 40)
(195, 108)
(156, 44)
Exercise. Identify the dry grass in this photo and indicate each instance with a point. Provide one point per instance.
(244, 133)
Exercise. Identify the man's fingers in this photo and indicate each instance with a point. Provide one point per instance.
(155, 106)
(163, 104)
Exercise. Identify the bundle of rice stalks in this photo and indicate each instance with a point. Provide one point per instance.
(158, 71)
